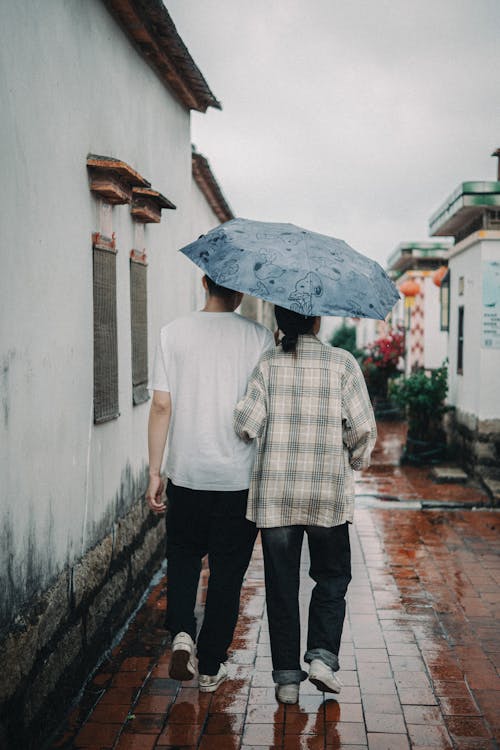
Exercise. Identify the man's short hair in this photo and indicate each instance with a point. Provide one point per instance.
(216, 290)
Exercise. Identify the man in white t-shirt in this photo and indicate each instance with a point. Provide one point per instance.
(202, 366)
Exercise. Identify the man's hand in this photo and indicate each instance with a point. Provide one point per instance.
(154, 495)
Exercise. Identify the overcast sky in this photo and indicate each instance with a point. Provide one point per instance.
(355, 118)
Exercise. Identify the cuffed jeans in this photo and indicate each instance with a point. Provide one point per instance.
(203, 522)
(330, 554)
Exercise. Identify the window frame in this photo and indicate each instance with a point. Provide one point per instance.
(139, 329)
(444, 301)
(105, 331)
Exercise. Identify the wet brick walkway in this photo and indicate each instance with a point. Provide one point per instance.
(388, 480)
(420, 653)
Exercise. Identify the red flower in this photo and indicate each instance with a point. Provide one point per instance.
(385, 352)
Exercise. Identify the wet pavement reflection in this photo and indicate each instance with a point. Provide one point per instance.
(419, 658)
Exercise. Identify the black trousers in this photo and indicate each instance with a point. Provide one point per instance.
(201, 522)
(330, 554)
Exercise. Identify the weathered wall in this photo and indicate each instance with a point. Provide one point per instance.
(65, 629)
(201, 216)
(71, 84)
(476, 445)
(81, 88)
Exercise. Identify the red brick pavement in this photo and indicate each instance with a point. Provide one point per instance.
(387, 479)
(420, 653)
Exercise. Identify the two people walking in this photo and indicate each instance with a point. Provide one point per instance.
(261, 436)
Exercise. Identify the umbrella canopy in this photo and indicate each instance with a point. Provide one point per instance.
(300, 270)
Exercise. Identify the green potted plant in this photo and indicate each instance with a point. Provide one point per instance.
(422, 395)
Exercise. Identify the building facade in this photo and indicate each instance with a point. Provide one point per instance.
(103, 189)
(472, 216)
(419, 314)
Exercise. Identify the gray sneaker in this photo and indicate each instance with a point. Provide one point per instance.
(287, 693)
(182, 665)
(209, 683)
(324, 677)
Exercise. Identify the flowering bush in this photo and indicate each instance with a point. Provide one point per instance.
(385, 352)
(381, 361)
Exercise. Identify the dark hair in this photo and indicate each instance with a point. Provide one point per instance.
(293, 325)
(215, 290)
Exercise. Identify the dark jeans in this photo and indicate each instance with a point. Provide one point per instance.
(201, 522)
(330, 554)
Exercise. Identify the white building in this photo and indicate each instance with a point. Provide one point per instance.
(368, 330)
(100, 189)
(426, 342)
(472, 216)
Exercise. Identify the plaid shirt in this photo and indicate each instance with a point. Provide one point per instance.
(314, 423)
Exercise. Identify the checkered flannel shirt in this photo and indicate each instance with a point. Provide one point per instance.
(314, 424)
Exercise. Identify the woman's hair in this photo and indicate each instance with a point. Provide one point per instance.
(293, 325)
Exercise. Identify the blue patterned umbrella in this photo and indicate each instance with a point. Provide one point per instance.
(300, 270)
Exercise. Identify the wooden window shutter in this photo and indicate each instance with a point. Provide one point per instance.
(139, 327)
(105, 334)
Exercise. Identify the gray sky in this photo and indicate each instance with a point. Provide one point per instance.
(355, 118)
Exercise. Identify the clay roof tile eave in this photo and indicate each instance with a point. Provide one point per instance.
(151, 30)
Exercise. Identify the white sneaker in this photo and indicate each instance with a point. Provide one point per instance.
(182, 665)
(324, 677)
(287, 693)
(208, 683)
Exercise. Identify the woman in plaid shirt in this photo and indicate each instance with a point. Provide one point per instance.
(308, 408)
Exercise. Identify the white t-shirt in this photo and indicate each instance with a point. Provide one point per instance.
(205, 360)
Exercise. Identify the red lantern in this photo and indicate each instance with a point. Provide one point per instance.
(438, 275)
(410, 288)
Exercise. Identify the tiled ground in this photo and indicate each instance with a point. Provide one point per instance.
(388, 480)
(420, 654)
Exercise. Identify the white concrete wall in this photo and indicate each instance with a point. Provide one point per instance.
(367, 331)
(475, 392)
(71, 84)
(435, 340)
(398, 313)
(202, 220)
(328, 327)
(489, 394)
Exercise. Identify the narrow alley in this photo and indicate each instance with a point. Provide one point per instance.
(419, 659)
